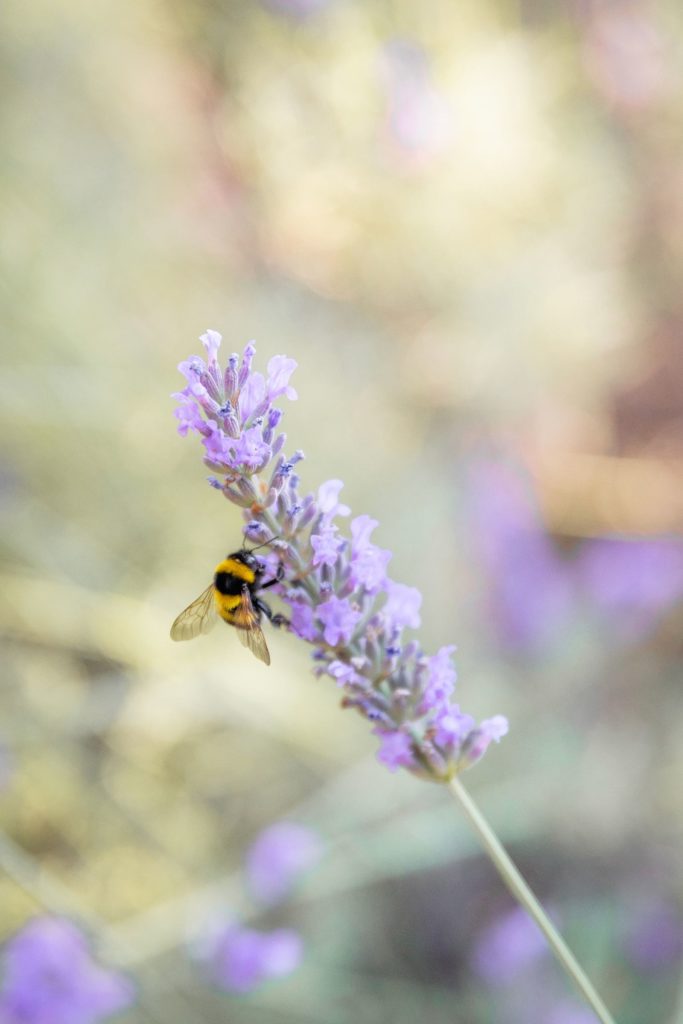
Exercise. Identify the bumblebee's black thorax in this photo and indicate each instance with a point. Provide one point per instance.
(237, 570)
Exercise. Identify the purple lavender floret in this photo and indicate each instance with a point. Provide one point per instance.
(242, 959)
(340, 597)
(49, 977)
(277, 859)
(510, 945)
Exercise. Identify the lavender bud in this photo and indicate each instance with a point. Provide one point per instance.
(256, 530)
(245, 368)
(277, 471)
(281, 506)
(246, 489)
(235, 497)
(309, 513)
(279, 443)
(230, 377)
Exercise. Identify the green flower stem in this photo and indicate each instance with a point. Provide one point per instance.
(521, 891)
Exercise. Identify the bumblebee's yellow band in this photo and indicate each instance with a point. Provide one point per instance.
(235, 568)
(226, 604)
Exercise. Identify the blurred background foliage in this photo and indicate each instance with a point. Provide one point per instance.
(464, 221)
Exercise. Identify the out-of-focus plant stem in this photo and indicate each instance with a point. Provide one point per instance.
(521, 891)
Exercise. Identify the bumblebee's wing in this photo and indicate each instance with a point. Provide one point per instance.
(198, 617)
(248, 629)
(256, 642)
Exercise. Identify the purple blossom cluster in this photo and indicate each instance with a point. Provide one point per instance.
(49, 977)
(278, 858)
(241, 958)
(534, 595)
(233, 411)
(341, 599)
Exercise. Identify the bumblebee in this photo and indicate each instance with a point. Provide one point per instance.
(233, 596)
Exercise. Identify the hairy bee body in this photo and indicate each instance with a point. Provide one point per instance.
(229, 580)
(233, 597)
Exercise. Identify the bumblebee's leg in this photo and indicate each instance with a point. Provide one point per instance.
(278, 577)
(276, 620)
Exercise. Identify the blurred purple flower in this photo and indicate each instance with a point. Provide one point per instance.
(529, 588)
(243, 958)
(632, 582)
(654, 940)
(341, 599)
(532, 593)
(50, 978)
(511, 944)
(278, 858)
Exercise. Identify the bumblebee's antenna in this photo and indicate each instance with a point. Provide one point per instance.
(265, 543)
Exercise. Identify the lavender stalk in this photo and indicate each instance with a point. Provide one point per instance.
(521, 891)
(341, 599)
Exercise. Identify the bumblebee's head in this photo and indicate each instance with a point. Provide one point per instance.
(250, 560)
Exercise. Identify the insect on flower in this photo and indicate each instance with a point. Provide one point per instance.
(341, 597)
(233, 595)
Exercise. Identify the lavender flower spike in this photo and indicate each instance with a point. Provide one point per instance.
(343, 603)
(342, 600)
